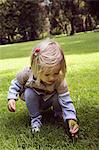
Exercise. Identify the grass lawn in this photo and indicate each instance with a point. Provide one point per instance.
(82, 56)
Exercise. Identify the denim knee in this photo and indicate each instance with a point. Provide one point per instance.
(32, 101)
(30, 94)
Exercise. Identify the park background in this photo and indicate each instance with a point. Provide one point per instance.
(74, 24)
(26, 20)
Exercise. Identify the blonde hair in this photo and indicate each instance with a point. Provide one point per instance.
(47, 54)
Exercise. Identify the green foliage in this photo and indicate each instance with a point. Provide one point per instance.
(25, 18)
(30, 19)
(82, 56)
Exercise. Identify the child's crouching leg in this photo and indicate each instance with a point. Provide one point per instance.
(56, 107)
(32, 102)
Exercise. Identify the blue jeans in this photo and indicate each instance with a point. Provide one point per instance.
(35, 103)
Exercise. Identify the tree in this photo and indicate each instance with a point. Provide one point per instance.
(9, 21)
(26, 18)
(31, 19)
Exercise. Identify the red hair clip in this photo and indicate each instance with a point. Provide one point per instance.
(37, 50)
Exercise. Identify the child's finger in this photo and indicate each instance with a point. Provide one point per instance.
(74, 129)
(11, 107)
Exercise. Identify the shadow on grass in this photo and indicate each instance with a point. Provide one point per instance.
(21, 119)
(52, 135)
(88, 120)
(18, 125)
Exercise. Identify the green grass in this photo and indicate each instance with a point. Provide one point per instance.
(82, 56)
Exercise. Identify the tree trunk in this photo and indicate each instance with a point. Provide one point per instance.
(72, 26)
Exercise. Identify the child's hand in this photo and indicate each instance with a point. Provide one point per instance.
(74, 127)
(11, 105)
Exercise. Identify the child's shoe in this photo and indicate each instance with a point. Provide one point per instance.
(36, 124)
(35, 129)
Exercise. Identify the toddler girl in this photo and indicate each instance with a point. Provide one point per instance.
(42, 85)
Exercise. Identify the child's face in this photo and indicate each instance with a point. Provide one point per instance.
(51, 74)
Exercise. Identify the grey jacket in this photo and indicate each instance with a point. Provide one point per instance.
(25, 79)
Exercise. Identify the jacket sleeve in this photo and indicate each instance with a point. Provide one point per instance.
(14, 90)
(23, 75)
(18, 83)
(67, 106)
